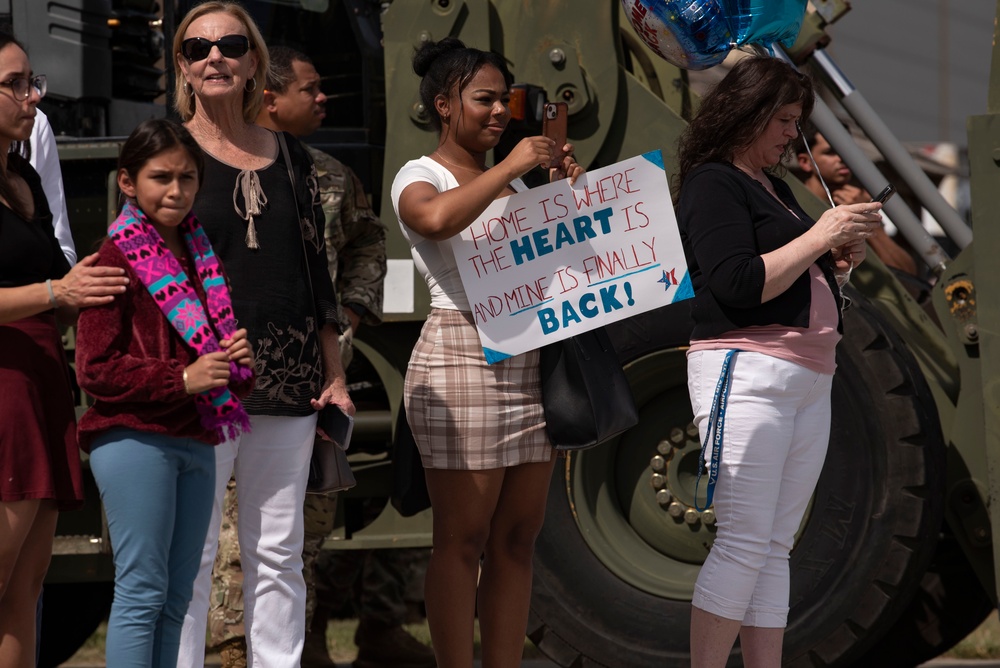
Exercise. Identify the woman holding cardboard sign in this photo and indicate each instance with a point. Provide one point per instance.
(767, 312)
(480, 428)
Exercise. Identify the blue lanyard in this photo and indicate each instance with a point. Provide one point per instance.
(716, 423)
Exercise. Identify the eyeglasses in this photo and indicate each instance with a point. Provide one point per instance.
(230, 46)
(21, 86)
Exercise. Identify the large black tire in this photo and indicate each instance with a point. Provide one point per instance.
(614, 573)
(949, 605)
(71, 612)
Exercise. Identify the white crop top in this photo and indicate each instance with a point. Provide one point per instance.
(434, 259)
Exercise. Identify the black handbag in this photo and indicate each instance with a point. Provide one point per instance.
(329, 470)
(409, 484)
(585, 394)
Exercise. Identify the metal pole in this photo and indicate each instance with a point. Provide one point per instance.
(902, 217)
(873, 126)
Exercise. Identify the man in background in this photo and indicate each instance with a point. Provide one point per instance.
(840, 180)
(45, 159)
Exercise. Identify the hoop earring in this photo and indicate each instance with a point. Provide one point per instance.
(188, 88)
(251, 88)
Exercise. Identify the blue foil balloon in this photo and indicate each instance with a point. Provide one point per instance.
(765, 21)
(697, 34)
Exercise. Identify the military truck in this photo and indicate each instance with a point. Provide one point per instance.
(894, 560)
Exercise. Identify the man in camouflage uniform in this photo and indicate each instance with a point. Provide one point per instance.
(355, 241)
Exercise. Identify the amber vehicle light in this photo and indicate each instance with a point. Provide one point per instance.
(518, 98)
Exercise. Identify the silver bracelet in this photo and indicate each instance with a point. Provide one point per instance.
(52, 295)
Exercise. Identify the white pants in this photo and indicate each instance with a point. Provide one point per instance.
(272, 466)
(777, 430)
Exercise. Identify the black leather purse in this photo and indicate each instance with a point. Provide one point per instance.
(585, 394)
(409, 484)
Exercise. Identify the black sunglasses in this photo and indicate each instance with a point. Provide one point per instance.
(198, 48)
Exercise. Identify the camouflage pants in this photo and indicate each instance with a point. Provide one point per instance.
(225, 612)
(319, 512)
(374, 581)
(225, 603)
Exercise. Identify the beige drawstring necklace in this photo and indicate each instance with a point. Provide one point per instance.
(248, 184)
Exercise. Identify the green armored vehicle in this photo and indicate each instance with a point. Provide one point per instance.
(894, 561)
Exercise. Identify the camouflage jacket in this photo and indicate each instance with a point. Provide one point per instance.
(355, 237)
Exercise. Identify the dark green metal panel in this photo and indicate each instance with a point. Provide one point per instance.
(981, 333)
(409, 133)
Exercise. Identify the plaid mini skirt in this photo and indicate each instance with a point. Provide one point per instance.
(466, 414)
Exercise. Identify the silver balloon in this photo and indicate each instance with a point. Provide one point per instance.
(692, 34)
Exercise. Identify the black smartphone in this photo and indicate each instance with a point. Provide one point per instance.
(554, 119)
(886, 193)
(336, 425)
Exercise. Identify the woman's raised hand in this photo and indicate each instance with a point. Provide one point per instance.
(568, 167)
(89, 285)
(529, 153)
(847, 223)
(208, 371)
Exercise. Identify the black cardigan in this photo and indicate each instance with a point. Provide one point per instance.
(727, 221)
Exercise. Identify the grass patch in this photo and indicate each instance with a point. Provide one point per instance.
(983, 643)
(340, 640)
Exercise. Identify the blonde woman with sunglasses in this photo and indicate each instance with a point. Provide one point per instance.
(248, 205)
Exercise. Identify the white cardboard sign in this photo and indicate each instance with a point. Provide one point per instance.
(558, 260)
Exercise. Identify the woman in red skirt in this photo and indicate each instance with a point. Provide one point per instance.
(39, 460)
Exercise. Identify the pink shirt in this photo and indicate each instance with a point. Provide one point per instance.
(814, 347)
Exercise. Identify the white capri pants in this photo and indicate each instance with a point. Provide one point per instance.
(777, 429)
(272, 467)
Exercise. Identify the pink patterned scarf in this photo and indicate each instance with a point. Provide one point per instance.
(169, 285)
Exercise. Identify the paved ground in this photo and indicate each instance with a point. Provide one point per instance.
(541, 663)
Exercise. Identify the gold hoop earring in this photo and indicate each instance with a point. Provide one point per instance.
(251, 88)
(188, 88)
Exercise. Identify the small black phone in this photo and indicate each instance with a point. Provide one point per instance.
(554, 121)
(886, 193)
(336, 425)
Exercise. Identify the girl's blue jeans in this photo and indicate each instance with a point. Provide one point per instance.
(157, 492)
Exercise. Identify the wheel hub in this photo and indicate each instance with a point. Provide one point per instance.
(619, 491)
(671, 478)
